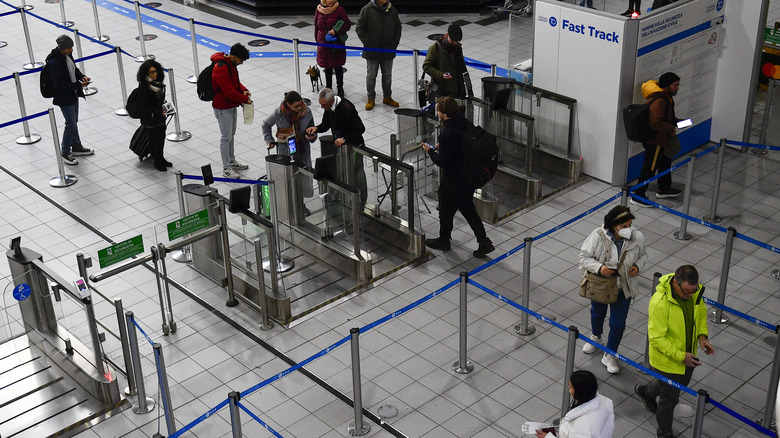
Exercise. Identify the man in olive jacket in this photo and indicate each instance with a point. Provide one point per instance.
(676, 329)
(445, 64)
(379, 27)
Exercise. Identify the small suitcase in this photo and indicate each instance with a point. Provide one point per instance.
(140, 143)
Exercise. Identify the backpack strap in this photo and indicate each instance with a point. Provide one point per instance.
(607, 244)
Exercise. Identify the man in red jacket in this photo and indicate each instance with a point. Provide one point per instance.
(229, 93)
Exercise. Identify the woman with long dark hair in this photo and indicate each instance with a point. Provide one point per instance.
(591, 415)
(151, 97)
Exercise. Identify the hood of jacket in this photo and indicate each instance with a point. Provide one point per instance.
(650, 88)
(219, 56)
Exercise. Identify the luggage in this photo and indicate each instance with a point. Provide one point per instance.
(140, 143)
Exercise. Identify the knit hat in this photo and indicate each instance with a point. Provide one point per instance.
(667, 79)
(455, 32)
(239, 51)
(64, 42)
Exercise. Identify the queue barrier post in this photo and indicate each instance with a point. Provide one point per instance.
(297, 65)
(717, 315)
(122, 324)
(624, 195)
(32, 64)
(193, 79)
(771, 392)
(698, 422)
(27, 138)
(713, 216)
(358, 428)
(62, 180)
(235, 414)
(141, 37)
(178, 134)
(524, 329)
(463, 365)
(571, 349)
(646, 359)
(65, 22)
(88, 90)
(165, 391)
(682, 234)
(121, 68)
(99, 36)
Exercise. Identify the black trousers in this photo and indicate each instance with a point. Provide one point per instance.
(456, 196)
(669, 397)
(661, 163)
(157, 143)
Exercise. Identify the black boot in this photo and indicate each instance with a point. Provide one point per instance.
(485, 247)
(340, 81)
(329, 78)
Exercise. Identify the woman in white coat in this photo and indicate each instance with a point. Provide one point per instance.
(591, 415)
(617, 236)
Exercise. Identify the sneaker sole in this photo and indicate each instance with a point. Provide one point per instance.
(666, 196)
(83, 154)
(639, 204)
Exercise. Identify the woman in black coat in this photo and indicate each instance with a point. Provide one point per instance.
(151, 97)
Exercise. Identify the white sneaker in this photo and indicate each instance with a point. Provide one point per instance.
(589, 348)
(611, 364)
(235, 164)
(230, 173)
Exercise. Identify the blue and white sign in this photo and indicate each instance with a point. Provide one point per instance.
(21, 292)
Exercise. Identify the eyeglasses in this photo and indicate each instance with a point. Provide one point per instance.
(152, 71)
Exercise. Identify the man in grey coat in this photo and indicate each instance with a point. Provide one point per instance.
(379, 27)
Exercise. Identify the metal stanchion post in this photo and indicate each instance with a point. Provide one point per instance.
(571, 348)
(771, 392)
(463, 365)
(717, 315)
(524, 329)
(492, 70)
(181, 255)
(161, 252)
(25, 6)
(698, 423)
(682, 234)
(765, 121)
(88, 90)
(357, 428)
(165, 392)
(265, 323)
(121, 111)
(3, 44)
(235, 413)
(27, 138)
(156, 259)
(232, 300)
(99, 36)
(32, 64)
(65, 22)
(193, 79)
(646, 359)
(62, 180)
(178, 134)
(297, 66)
(713, 216)
(122, 324)
(415, 69)
(143, 404)
(141, 36)
(624, 196)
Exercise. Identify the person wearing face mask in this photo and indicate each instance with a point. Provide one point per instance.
(622, 238)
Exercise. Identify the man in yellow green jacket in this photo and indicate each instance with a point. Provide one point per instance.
(676, 329)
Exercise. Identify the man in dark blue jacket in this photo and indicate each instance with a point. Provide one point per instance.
(454, 193)
(68, 82)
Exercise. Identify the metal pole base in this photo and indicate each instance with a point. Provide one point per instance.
(759, 151)
(713, 316)
(364, 430)
(713, 220)
(32, 65)
(149, 407)
(127, 391)
(33, 138)
(181, 136)
(775, 273)
(266, 327)
(3, 44)
(67, 23)
(772, 427)
(121, 112)
(284, 265)
(519, 330)
(232, 303)
(677, 236)
(89, 91)
(181, 256)
(191, 79)
(68, 180)
(103, 38)
(27, 7)
(173, 327)
(165, 329)
(142, 59)
(462, 370)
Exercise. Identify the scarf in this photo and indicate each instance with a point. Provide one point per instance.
(295, 118)
(157, 87)
(324, 10)
(71, 69)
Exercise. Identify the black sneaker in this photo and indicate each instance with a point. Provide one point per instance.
(627, 13)
(639, 203)
(70, 159)
(485, 247)
(82, 152)
(650, 403)
(668, 193)
(438, 243)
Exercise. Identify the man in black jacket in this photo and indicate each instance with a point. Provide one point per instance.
(68, 82)
(343, 120)
(454, 193)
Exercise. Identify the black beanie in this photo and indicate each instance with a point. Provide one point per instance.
(64, 42)
(239, 51)
(455, 32)
(667, 79)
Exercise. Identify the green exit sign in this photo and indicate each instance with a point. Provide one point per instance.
(188, 224)
(121, 251)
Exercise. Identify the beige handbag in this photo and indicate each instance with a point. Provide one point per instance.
(598, 288)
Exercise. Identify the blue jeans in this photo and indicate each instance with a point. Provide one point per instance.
(373, 67)
(226, 119)
(70, 136)
(617, 319)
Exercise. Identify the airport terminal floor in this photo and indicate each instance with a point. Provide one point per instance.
(406, 361)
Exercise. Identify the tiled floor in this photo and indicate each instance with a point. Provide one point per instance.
(406, 361)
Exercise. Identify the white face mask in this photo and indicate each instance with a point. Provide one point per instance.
(625, 233)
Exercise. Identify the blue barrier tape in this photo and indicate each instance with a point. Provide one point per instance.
(195, 422)
(518, 306)
(143, 332)
(214, 26)
(673, 168)
(744, 316)
(233, 180)
(20, 120)
(758, 243)
(409, 307)
(158, 10)
(752, 145)
(742, 418)
(256, 418)
(296, 366)
(9, 13)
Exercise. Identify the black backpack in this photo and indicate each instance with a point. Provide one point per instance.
(47, 87)
(204, 85)
(480, 156)
(133, 106)
(636, 119)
